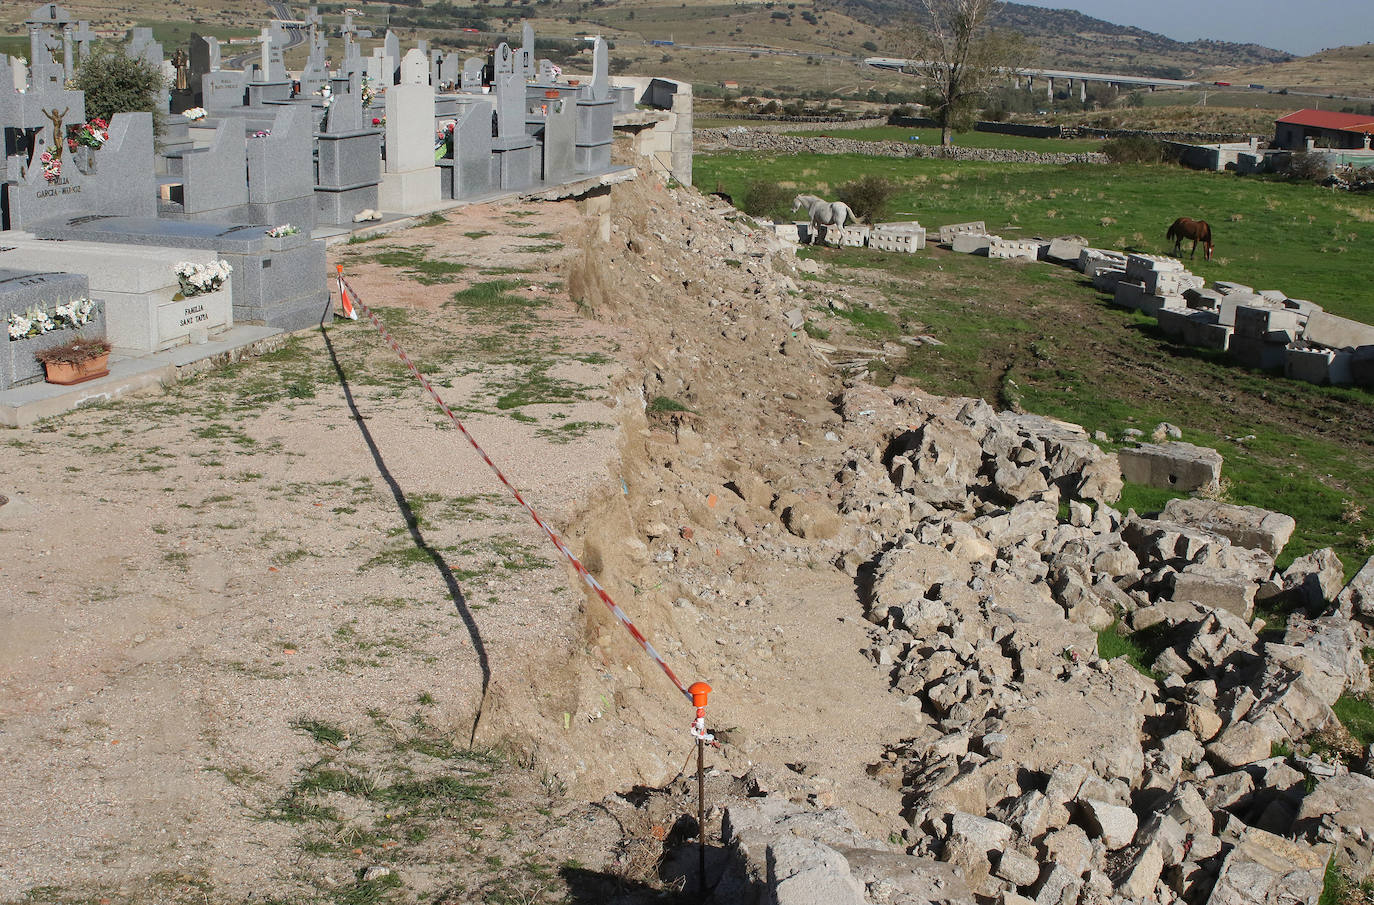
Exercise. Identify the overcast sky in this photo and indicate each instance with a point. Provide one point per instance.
(1297, 27)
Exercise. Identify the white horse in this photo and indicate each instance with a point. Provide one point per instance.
(824, 213)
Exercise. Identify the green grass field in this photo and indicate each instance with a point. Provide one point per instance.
(1040, 337)
(1302, 239)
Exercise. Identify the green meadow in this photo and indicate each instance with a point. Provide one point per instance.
(962, 139)
(1305, 240)
(1039, 337)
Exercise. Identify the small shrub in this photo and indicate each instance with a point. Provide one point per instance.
(1308, 166)
(765, 198)
(869, 196)
(1135, 149)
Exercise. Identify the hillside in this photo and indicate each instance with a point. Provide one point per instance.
(816, 41)
(1339, 71)
(1071, 40)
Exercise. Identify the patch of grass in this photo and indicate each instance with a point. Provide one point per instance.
(538, 387)
(320, 731)
(476, 234)
(1140, 648)
(662, 404)
(415, 265)
(494, 302)
(1357, 716)
(572, 430)
(815, 331)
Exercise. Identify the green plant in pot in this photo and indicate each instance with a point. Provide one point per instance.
(75, 362)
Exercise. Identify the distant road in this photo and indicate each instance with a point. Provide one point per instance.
(294, 35)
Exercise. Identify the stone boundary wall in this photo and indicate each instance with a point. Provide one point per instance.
(1211, 138)
(823, 125)
(804, 120)
(719, 139)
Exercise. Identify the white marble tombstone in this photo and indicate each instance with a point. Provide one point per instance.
(410, 182)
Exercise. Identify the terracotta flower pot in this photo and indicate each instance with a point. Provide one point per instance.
(66, 373)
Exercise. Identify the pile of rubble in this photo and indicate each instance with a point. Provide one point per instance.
(1045, 773)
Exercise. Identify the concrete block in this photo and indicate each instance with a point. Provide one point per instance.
(1016, 249)
(1245, 526)
(1173, 466)
(1205, 335)
(971, 243)
(1105, 278)
(974, 228)
(900, 237)
(1065, 250)
(1256, 353)
(1308, 365)
(1254, 321)
(1139, 266)
(1362, 366)
(1336, 332)
(1128, 293)
(849, 236)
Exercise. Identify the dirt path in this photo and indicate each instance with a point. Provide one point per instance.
(242, 621)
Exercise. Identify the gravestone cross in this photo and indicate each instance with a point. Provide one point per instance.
(526, 67)
(82, 36)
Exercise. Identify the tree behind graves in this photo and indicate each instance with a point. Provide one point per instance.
(116, 83)
(954, 48)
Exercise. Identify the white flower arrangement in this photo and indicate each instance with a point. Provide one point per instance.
(286, 229)
(198, 279)
(195, 114)
(36, 321)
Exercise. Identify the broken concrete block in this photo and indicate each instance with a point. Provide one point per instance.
(1172, 466)
(1066, 249)
(1244, 526)
(1222, 590)
(1335, 332)
(1129, 294)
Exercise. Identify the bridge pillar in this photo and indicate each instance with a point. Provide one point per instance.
(1049, 88)
(1082, 92)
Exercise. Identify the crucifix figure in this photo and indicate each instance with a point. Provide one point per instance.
(57, 137)
(180, 61)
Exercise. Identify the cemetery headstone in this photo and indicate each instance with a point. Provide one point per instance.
(349, 169)
(526, 61)
(471, 77)
(595, 117)
(391, 54)
(515, 158)
(281, 172)
(411, 181)
(23, 289)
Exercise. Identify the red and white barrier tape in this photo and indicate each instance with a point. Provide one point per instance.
(350, 300)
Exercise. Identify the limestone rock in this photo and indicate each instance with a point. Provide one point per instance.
(1356, 600)
(1172, 466)
(1315, 579)
(1244, 526)
(1114, 824)
(1241, 744)
(1341, 810)
(1264, 869)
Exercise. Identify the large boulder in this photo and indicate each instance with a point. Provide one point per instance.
(945, 457)
(1315, 580)
(1172, 466)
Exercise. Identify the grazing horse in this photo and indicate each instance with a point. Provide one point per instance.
(1197, 230)
(824, 213)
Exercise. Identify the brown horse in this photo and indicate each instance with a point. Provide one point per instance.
(1197, 230)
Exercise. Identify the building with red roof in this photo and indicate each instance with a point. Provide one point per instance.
(1323, 128)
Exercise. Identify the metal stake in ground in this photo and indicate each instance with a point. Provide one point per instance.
(699, 692)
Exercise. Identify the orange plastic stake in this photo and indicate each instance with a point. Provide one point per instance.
(699, 692)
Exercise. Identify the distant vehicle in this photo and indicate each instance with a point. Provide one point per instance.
(1256, 87)
(473, 30)
(1222, 84)
(661, 43)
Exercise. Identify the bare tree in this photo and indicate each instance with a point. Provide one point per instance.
(960, 56)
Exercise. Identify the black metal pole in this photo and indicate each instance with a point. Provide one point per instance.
(701, 816)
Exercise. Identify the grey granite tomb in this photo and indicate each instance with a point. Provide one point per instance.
(21, 290)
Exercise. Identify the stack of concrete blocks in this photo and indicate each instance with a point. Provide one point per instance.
(908, 238)
(663, 134)
(1343, 353)
(21, 290)
(1263, 333)
(410, 182)
(1104, 268)
(1016, 249)
(848, 236)
(136, 286)
(1154, 282)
